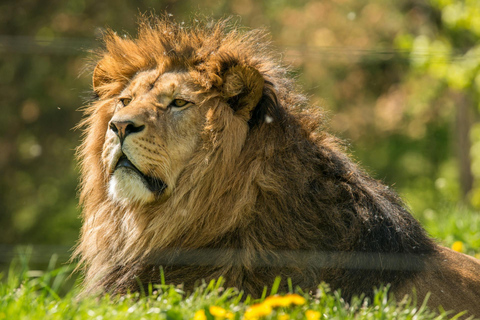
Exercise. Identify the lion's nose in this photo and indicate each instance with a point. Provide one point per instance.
(123, 128)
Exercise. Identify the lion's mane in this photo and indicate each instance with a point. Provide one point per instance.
(265, 192)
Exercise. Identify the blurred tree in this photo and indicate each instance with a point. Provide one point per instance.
(446, 53)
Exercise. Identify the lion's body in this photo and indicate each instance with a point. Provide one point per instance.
(198, 160)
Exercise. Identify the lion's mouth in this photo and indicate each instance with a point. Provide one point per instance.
(153, 184)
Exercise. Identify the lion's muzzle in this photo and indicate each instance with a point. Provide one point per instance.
(155, 185)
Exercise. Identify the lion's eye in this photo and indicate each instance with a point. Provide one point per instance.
(125, 101)
(179, 103)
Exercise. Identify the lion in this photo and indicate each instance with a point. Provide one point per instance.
(201, 159)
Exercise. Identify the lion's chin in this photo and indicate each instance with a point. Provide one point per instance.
(128, 187)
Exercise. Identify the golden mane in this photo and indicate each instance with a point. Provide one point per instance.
(263, 185)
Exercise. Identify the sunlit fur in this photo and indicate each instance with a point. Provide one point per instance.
(255, 178)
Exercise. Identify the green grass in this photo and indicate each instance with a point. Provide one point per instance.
(30, 294)
(36, 296)
(27, 294)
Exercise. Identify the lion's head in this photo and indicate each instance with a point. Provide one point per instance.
(164, 112)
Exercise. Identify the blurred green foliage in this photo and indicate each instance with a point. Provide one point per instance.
(391, 75)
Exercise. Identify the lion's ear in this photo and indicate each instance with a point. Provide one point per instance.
(243, 88)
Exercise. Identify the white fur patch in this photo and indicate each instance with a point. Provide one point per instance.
(128, 187)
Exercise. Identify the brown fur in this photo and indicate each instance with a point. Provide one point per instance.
(263, 192)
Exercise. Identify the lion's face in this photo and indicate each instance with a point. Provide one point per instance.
(153, 132)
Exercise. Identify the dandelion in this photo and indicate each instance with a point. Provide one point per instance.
(276, 301)
(257, 310)
(220, 313)
(200, 315)
(457, 246)
(296, 299)
(312, 315)
(285, 301)
(283, 316)
(266, 307)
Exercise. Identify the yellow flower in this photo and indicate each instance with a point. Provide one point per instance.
(276, 301)
(220, 313)
(285, 301)
(296, 299)
(457, 246)
(312, 315)
(200, 315)
(258, 310)
(283, 316)
(265, 308)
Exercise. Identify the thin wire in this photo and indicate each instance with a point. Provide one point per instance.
(37, 253)
(80, 46)
(217, 257)
(35, 45)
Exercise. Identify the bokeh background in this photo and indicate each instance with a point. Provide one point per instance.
(399, 79)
